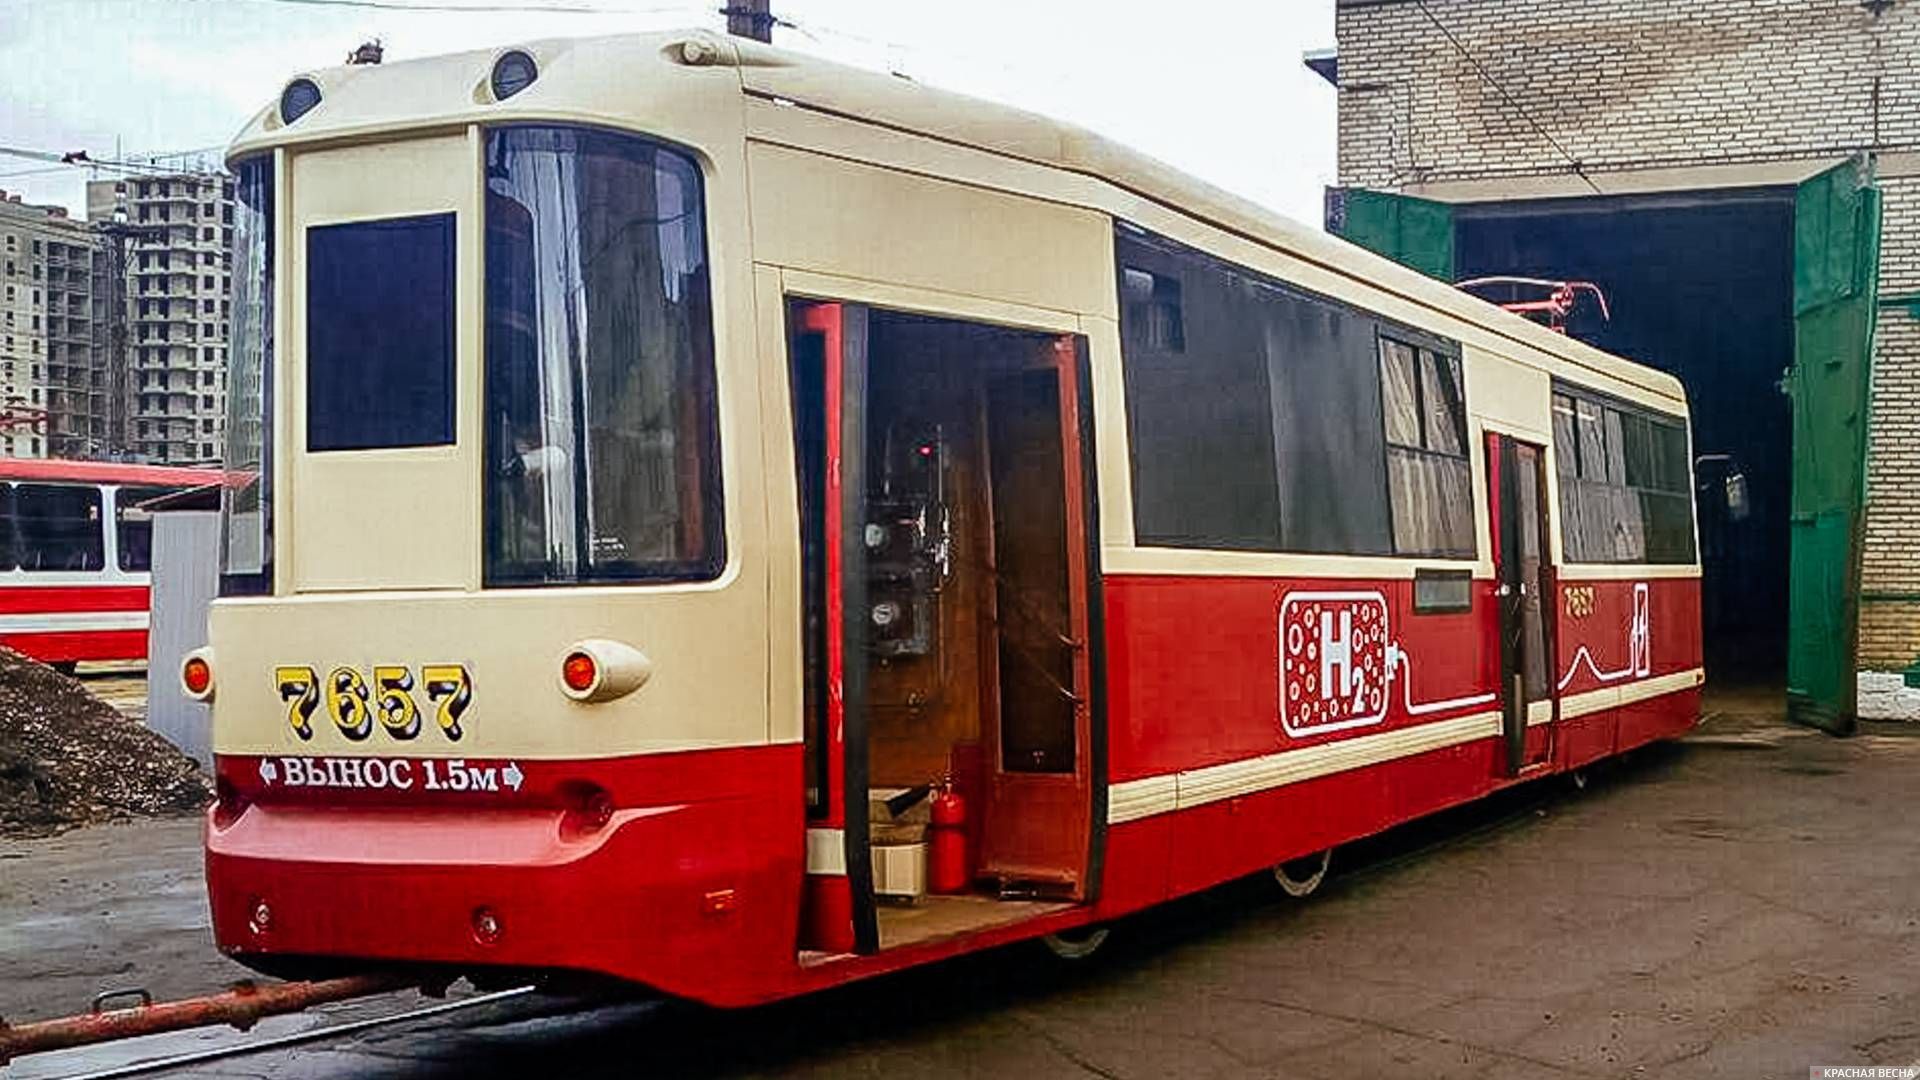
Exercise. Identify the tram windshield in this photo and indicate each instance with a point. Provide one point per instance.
(601, 443)
(246, 550)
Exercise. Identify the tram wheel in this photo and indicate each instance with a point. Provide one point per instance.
(1580, 778)
(1302, 876)
(1076, 944)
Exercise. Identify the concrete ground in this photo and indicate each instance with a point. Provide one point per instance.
(1745, 903)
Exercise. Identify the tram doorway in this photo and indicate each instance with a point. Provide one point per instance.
(945, 517)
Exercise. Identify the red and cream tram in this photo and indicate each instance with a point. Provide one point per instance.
(75, 554)
(676, 456)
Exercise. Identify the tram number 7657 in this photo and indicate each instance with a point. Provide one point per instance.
(355, 703)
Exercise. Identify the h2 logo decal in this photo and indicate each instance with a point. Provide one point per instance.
(1334, 661)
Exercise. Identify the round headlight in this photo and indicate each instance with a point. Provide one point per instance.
(298, 99)
(512, 73)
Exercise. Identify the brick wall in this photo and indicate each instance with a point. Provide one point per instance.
(1623, 85)
(1618, 84)
(1889, 622)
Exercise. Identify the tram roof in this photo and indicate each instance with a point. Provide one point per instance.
(447, 91)
(56, 470)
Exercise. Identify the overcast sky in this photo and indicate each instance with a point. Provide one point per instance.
(1214, 87)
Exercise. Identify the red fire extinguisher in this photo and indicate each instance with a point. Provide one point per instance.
(948, 839)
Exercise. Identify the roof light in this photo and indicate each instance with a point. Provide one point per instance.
(512, 73)
(298, 99)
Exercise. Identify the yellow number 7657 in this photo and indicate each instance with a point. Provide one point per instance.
(355, 703)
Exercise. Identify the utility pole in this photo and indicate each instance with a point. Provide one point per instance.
(749, 19)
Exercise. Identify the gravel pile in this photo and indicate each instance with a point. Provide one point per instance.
(67, 758)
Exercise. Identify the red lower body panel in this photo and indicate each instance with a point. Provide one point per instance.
(65, 646)
(694, 891)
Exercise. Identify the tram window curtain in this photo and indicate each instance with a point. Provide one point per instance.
(1429, 479)
(1624, 482)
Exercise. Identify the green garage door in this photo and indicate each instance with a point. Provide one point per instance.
(1836, 258)
(1410, 231)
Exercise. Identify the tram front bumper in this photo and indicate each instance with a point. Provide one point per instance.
(696, 897)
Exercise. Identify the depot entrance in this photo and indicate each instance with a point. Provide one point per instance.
(1699, 285)
(1761, 300)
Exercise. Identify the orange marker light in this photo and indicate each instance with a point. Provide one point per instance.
(579, 672)
(196, 675)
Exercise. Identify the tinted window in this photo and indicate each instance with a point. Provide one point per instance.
(1198, 405)
(380, 334)
(8, 560)
(58, 528)
(135, 526)
(1253, 408)
(602, 438)
(1624, 483)
(1429, 479)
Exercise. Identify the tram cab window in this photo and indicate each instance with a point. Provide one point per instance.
(602, 446)
(58, 528)
(246, 503)
(380, 334)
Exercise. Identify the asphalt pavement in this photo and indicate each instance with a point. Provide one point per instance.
(1744, 903)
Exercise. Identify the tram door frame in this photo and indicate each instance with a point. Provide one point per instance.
(839, 910)
(1525, 577)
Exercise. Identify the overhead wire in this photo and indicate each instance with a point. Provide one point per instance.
(1574, 163)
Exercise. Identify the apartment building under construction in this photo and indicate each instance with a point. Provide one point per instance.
(54, 328)
(175, 230)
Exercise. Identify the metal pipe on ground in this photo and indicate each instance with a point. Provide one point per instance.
(240, 1006)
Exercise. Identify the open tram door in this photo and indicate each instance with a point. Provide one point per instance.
(1523, 580)
(1038, 824)
(945, 507)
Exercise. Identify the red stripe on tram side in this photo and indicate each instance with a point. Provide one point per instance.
(63, 646)
(36, 599)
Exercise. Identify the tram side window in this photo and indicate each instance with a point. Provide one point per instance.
(8, 558)
(58, 528)
(1429, 480)
(134, 526)
(1253, 408)
(1624, 483)
(1198, 408)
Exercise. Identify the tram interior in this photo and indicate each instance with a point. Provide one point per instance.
(965, 620)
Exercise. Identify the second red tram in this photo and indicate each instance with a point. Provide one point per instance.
(676, 460)
(76, 551)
